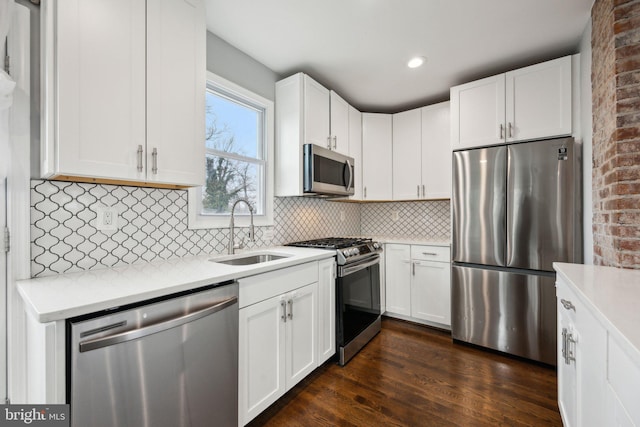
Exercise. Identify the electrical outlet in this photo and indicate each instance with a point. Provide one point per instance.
(395, 215)
(268, 234)
(106, 218)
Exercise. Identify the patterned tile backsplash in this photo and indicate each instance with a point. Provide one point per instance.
(153, 224)
(406, 219)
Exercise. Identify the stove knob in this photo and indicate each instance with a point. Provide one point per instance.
(356, 251)
(376, 245)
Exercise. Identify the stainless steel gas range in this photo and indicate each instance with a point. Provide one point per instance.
(357, 291)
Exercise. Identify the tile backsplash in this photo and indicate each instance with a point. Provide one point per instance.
(153, 224)
(406, 219)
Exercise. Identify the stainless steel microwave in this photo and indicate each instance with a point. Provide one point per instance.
(327, 173)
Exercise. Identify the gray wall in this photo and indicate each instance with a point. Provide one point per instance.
(238, 67)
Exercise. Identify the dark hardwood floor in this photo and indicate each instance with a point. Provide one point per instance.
(410, 375)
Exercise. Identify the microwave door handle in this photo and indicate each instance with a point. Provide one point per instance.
(350, 175)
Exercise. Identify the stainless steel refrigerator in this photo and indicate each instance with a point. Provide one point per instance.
(516, 210)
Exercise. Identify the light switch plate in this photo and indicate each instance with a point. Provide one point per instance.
(106, 218)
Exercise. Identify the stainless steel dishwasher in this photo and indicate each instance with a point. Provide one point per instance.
(170, 363)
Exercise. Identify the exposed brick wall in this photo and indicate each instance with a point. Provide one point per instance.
(615, 78)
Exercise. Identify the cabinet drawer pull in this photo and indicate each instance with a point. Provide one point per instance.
(568, 305)
(154, 156)
(139, 158)
(429, 253)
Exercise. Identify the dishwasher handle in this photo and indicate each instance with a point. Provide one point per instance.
(155, 328)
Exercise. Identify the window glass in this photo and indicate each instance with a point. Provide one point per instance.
(239, 157)
(235, 166)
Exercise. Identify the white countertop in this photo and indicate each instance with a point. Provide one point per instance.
(69, 295)
(612, 294)
(410, 240)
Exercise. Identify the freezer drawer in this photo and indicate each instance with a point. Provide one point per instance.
(512, 312)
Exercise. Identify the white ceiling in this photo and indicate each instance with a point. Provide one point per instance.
(360, 48)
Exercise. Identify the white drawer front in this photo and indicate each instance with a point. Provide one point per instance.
(431, 253)
(264, 286)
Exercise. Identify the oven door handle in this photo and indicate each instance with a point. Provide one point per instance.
(350, 269)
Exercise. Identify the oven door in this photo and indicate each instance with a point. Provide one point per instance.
(358, 298)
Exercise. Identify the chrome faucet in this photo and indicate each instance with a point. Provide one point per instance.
(231, 226)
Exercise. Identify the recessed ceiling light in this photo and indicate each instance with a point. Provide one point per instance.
(416, 61)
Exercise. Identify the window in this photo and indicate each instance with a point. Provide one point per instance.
(238, 160)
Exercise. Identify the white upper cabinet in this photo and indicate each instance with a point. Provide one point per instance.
(436, 151)
(539, 100)
(316, 112)
(339, 124)
(376, 156)
(477, 113)
(111, 97)
(306, 113)
(355, 149)
(407, 155)
(529, 103)
(176, 82)
(422, 153)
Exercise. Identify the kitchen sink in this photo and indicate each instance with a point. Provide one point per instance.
(250, 259)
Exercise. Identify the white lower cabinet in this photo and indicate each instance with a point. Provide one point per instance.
(582, 351)
(326, 309)
(279, 332)
(398, 278)
(418, 283)
(261, 373)
(597, 377)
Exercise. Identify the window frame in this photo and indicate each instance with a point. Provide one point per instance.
(198, 221)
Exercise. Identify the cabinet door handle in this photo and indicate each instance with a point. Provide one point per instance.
(335, 142)
(418, 191)
(364, 192)
(329, 143)
(413, 264)
(564, 346)
(568, 342)
(501, 131)
(290, 302)
(510, 130)
(154, 157)
(283, 304)
(139, 158)
(423, 191)
(568, 305)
